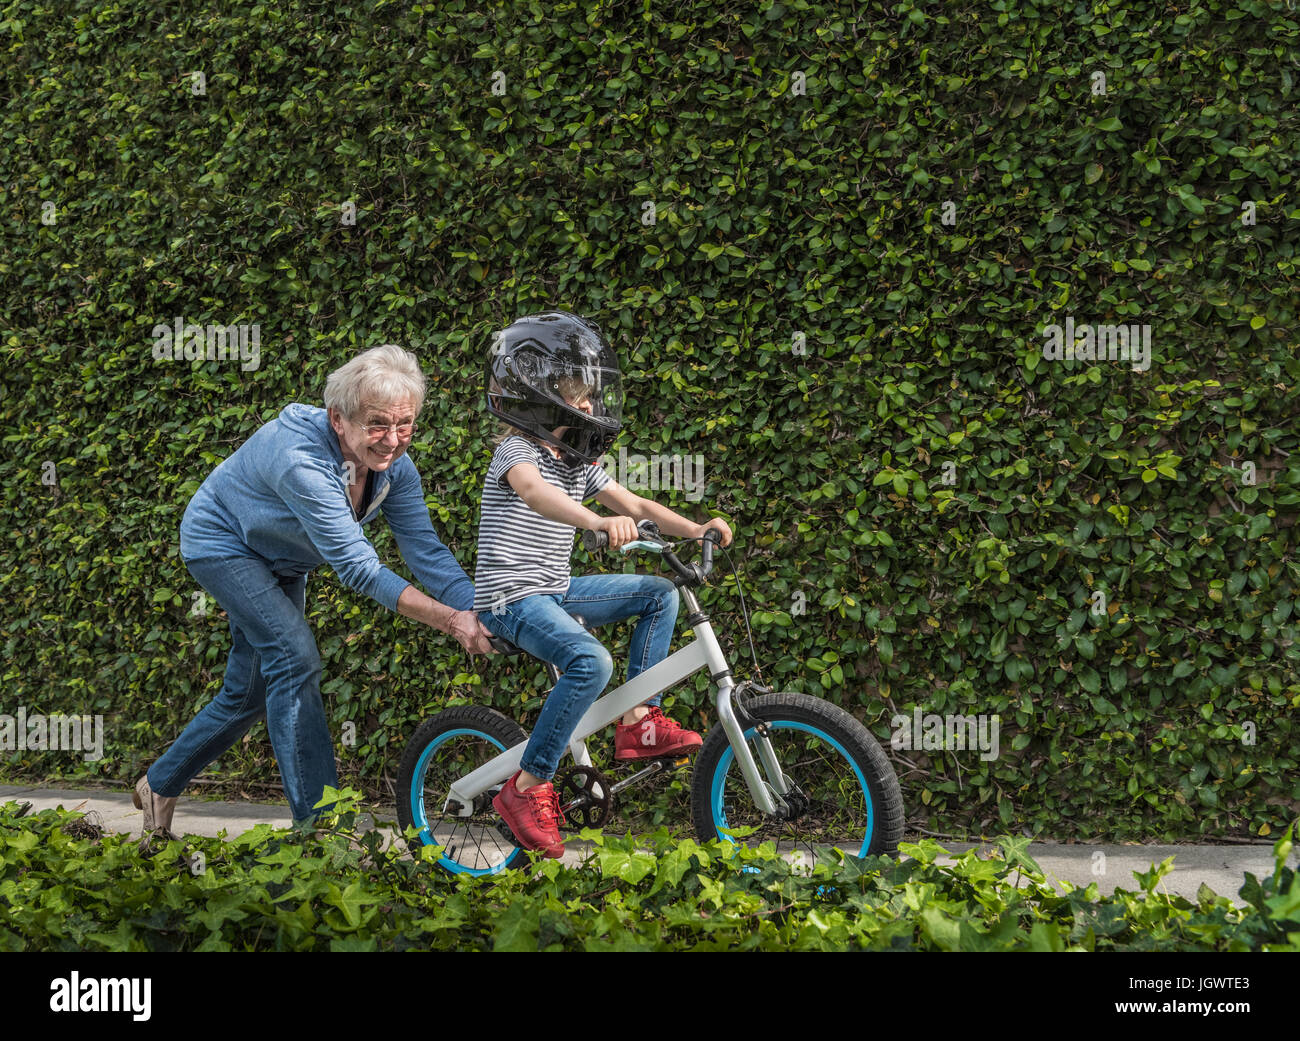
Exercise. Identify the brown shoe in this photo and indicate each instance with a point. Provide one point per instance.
(157, 810)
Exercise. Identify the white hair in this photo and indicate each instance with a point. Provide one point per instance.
(377, 377)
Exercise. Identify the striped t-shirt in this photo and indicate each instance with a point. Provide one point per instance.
(520, 552)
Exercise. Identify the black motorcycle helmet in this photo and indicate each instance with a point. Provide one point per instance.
(538, 365)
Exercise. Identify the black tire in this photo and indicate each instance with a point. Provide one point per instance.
(446, 747)
(852, 801)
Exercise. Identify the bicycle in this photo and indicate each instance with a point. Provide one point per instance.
(824, 780)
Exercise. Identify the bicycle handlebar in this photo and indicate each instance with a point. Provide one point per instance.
(692, 574)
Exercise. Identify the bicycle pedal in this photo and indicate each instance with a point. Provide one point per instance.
(662, 763)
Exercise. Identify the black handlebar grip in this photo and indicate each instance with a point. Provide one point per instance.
(712, 537)
(594, 540)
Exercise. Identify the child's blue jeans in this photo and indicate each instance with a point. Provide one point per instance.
(543, 625)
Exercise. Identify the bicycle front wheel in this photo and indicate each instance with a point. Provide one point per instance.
(844, 793)
(445, 748)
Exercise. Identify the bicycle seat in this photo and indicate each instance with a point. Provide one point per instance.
(503, 646)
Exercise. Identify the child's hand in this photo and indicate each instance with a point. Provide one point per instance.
(718, 525)
(620, 530)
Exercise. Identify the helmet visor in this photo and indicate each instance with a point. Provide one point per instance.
(598, 387)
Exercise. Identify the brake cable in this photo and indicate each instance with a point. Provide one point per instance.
(749, 635)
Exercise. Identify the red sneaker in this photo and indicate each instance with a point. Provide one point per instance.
(653, 737)
(534, 816)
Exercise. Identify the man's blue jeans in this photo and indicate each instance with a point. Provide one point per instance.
(542, 625)
(274, 670)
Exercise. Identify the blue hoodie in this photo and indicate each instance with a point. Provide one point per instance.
(283, 498)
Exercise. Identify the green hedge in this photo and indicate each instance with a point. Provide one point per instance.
(925, 506)
(272, 890)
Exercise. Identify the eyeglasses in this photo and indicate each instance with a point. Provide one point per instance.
(375, 431)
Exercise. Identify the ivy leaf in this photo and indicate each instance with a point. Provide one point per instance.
(1045, 936)
(517, 928)
(1103, 707)
(1189, 200)
(629, 865)
(350, 901)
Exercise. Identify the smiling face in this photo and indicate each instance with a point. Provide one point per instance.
(373, 453)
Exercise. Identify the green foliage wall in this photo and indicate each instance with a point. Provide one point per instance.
(751, 200)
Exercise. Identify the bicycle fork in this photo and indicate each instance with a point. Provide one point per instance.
(769, 795)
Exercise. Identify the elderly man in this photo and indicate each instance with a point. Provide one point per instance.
(296, 495)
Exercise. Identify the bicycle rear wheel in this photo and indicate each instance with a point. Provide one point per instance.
(445, 748)
(845, 793)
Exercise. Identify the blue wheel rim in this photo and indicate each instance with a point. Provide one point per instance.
(728, 757)
(417, 802)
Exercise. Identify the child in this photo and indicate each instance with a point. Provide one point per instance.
(554, 381)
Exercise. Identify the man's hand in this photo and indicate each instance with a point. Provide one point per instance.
(470, 633)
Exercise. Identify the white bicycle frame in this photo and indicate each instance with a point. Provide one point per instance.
(702, 652)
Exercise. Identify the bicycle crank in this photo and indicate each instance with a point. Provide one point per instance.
(586, 797)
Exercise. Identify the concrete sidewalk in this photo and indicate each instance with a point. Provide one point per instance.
(1222, 868)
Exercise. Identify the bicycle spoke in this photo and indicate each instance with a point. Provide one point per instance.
(467, 740)
(830, 808)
